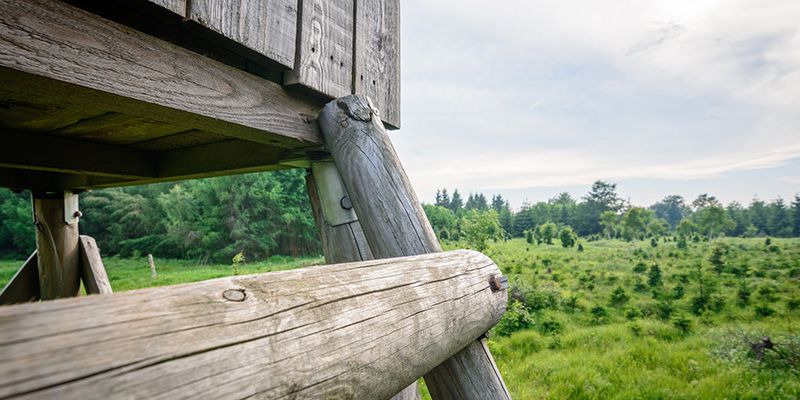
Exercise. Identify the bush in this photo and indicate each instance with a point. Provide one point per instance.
(515, 319)
(664, 309)
(632, 313)
(619, 297)
(683, 323)
(764, 310)
(550, 325)
(599, 314)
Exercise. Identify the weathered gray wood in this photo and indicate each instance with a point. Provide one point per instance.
(221, 158)
(176, 6)
(266, 26)
(153, 273)
(93, 272)
(59, 154)
(324, 54)
(56, 246)
(344, 243)
(377, 56)
(24, 285)
(356, 331)
(126, 71)
(116, 128)
(394, 222)
(474, 361)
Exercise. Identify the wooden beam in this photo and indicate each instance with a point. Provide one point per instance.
(395, 225)
(324, 54)
(24, 285)
(93, 272)
(377, 57)
(216, 159)
(130, 72)
(57, 244)
(355, 330)
(58, 154)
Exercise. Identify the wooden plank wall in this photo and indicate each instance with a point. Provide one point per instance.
(266, 26)
(330, 47)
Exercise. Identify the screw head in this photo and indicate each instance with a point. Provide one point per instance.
(346, 203)
(77, 214)
(498, 283)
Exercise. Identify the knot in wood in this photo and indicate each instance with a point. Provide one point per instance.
(498, 283)
(234, 295)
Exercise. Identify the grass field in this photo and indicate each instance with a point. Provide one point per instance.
(603, 324)
(593, 325)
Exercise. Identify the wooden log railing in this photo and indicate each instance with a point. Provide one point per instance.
(360, 330)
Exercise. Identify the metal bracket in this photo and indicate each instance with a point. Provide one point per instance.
(334, 201)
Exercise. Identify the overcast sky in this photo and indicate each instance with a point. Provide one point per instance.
(530, 98)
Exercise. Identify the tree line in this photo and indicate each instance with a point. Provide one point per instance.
(602, 213)
(213, 219)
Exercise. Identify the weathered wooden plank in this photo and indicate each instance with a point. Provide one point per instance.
(59, 154)
(116, 128)
(324, 54)
(357, 330)
(394, 222)
(221, 158)
(266, 26)
(93, 272)
(377, 56)
(24, 285)
(56, 245)
(124, 70)
(179, 141)
(176, 6)
(43, 181)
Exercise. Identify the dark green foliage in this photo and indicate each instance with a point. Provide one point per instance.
(743, 294)
(632, 313)
(550, 325)
(653, 242)
(516, 318)
(619, 297)
(664, 309)
(654, 276)
(681, 243)
(640, 267)
(567, 237)
(717, 256)
(678, 292)
(764, 310)
(599, 314)
(683, 323)
(580, 247)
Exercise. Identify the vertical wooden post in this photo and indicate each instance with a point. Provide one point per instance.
(153, 273)
(56, 218)
(395, 225)
(342, 240)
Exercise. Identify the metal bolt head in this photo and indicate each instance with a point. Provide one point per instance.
(498, 283)
(346, 203)
(77, 214)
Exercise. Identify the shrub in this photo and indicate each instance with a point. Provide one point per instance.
(677, 292)
(664, 309)
(683, 323)
(632, 313)
(515, 319)
(619, 297)
(743, 294)
(550, 325)
(764, 310)
(654, 276)
(599, 314)
(640, 267)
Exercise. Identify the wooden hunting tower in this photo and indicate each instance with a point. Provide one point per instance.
(104, 93)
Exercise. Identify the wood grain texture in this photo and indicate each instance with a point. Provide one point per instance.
(59, 154)
(116, 128)
(346, 331)
(57, 248)
(23, 287)
(390, 212)
(176, 6)
(395, 224)
(324, 54)
(93, 272)
(345, 243)
(265, 26)
(474, 361)
(133, 73)
(377, 56)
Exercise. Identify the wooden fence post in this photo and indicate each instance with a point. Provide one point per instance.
(395, 225)
(153, 273)
(343, 240)
(56, 218)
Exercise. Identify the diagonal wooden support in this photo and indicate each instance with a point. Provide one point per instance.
(24, 285)
(342, 237)
(395, 225)
(56, 217)
(93, 272)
